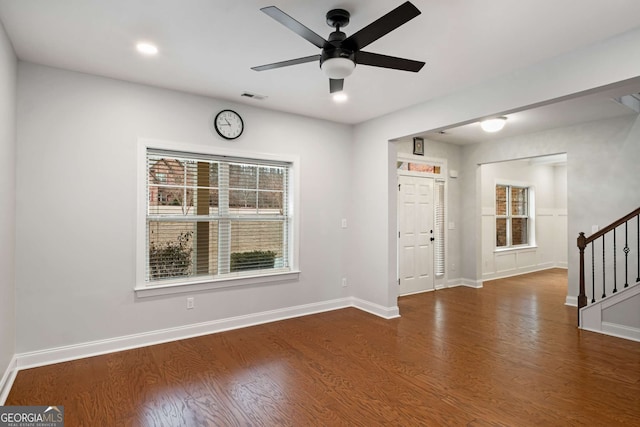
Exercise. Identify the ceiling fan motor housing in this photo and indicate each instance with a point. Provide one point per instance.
(337, 52)
(334, 49)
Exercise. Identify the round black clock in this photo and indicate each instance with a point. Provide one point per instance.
(229, 124)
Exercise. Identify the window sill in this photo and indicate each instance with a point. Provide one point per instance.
(515, 248)
(144, 291)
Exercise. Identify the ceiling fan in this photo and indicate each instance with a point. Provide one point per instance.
(340, 53)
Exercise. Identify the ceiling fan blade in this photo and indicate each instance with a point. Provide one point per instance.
(384, 61)
(384, 25)
(336, 85)
(287, 63)
(294, 26)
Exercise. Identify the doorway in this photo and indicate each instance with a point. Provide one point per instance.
(533, 192)
(415, 234)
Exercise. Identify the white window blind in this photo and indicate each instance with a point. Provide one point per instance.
(210, 216)
(439, 225)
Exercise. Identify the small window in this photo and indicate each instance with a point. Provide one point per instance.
(512, 216)
(214, 217)
(419, 167)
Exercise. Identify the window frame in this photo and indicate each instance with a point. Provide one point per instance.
(195, 284)
(530, 216)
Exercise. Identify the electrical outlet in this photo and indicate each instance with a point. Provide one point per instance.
(190, 303)
(344, 282)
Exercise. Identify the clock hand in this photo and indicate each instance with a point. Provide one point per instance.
(228, 124)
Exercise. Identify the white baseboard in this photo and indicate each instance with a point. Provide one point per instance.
(95, 348)
(621, 331)
(6, 382)
(518, 272)
(469, 283)
(571, 301)
(378, 310)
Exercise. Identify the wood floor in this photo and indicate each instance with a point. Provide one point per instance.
(505, 355)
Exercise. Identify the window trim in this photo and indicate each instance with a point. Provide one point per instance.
(531, 240)
(144, 289)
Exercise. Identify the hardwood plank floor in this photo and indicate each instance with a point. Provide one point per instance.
(505, 355)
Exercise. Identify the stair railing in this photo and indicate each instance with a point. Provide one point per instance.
(626, 225)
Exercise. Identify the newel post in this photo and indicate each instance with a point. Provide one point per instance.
(582, 296)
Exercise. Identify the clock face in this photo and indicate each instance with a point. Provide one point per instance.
(229, 124)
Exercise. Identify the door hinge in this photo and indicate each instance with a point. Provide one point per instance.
(398, 234)
(398, 282)
(399, 187)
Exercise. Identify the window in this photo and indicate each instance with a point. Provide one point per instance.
(419, 167)
(439, 204)
(512, 216)
(213, 217)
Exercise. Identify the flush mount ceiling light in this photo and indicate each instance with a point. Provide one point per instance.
(340, 97)
(147, 48)
(493, 125)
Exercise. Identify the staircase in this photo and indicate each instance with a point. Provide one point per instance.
(609, 298)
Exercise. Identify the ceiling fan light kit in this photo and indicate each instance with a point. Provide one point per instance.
(340, 54)
(493, 125)
(338, 68)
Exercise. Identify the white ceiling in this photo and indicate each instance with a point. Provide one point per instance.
(208, 47)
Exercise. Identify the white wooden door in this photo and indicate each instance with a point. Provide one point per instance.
(415, 232)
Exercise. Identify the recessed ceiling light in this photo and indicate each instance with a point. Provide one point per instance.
(493, 125)
(340, 97)
(147, 48)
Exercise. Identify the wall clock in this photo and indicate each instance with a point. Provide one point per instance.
(229, 124)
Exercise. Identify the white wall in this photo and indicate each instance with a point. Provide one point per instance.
(8, 67)
(607, 63)
(76, 207)
(548, 186)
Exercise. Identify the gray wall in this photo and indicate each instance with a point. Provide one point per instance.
(613, 62)
(601, 173)
(77, 134)
(8, 65)
(625, 313)
(76, 207)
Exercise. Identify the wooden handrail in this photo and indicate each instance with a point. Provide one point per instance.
(583, 241)
(611, 226)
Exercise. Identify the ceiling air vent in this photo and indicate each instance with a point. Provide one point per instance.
(254, 96)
